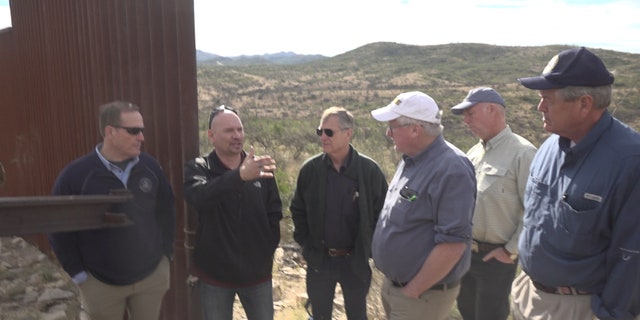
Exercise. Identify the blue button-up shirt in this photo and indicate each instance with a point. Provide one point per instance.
(582, 217)
(120, 173)
(430, 201)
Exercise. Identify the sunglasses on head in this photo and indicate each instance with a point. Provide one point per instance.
(219, 109)
(134, 131)
(328, 132)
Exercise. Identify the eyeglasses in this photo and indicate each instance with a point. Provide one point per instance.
(328, 132)
(390, 128)
(219, 109)
(134, 131)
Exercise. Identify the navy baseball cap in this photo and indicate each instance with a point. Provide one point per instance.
(476, 96)
(573, 67)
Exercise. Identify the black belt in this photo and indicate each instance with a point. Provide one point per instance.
(334, 252)
(558, 290)
(477, 246)
(441, 286)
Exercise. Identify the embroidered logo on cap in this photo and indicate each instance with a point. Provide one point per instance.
(552, 64)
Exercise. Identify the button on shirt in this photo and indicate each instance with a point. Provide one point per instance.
(341, 219)
(582, 217)
(435, 207)
(502, 168)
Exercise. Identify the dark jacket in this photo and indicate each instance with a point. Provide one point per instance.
(238, 221)
(121, 255)
(308, 207)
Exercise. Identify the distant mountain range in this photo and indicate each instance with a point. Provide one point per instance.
(203, 58)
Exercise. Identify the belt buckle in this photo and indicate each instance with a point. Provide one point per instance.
(334, 252)
(474, 246)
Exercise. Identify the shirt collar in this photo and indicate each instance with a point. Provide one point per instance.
(110, 166)
(429, 152)
(497, 139)
(589, 139)
(344, 164)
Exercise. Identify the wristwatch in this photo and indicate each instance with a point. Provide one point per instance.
(512, 256)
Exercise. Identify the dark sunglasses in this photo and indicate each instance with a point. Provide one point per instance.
(134, 131)
(219, 109)
(327, 132)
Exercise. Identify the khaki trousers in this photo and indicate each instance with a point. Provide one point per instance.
(142, 300)
(432, 304)
(528, 303)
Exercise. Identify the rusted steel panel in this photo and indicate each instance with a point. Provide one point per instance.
(62, 59)
(28, 215)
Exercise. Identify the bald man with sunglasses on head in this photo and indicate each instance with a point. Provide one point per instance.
(239, 213)
(339, 194)
(124, 269)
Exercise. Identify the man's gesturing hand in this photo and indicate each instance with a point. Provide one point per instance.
(254, 167)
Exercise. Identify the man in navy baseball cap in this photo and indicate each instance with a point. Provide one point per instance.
(476, 96)
(579, 248)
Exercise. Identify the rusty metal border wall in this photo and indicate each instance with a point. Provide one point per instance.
(63, 58)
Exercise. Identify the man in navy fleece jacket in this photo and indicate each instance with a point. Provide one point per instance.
(125, 268)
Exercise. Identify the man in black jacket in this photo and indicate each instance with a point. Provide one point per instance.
(338, 197)
(239, 213)
(124, 268)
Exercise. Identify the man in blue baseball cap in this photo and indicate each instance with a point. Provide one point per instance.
(501, 159)
(580, 247)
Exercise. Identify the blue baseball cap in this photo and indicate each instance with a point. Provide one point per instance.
(573, 67)
(476, 96)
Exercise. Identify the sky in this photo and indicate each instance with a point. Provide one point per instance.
(331, 27)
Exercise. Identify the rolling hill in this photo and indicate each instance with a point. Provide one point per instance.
(281, 104)
(371, 76)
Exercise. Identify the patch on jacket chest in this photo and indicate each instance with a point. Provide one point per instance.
(145, 185)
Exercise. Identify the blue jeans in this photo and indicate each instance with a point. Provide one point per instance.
(217, 302)
(321, 288)
(484, 294)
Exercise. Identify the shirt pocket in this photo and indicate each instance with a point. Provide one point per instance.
(493, 179)
(408, 213)
(537, 201)
(578, 222)
(575, 231)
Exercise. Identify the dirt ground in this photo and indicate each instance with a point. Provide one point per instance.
(25, 270)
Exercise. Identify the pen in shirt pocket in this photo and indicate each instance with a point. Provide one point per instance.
(408, 194)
